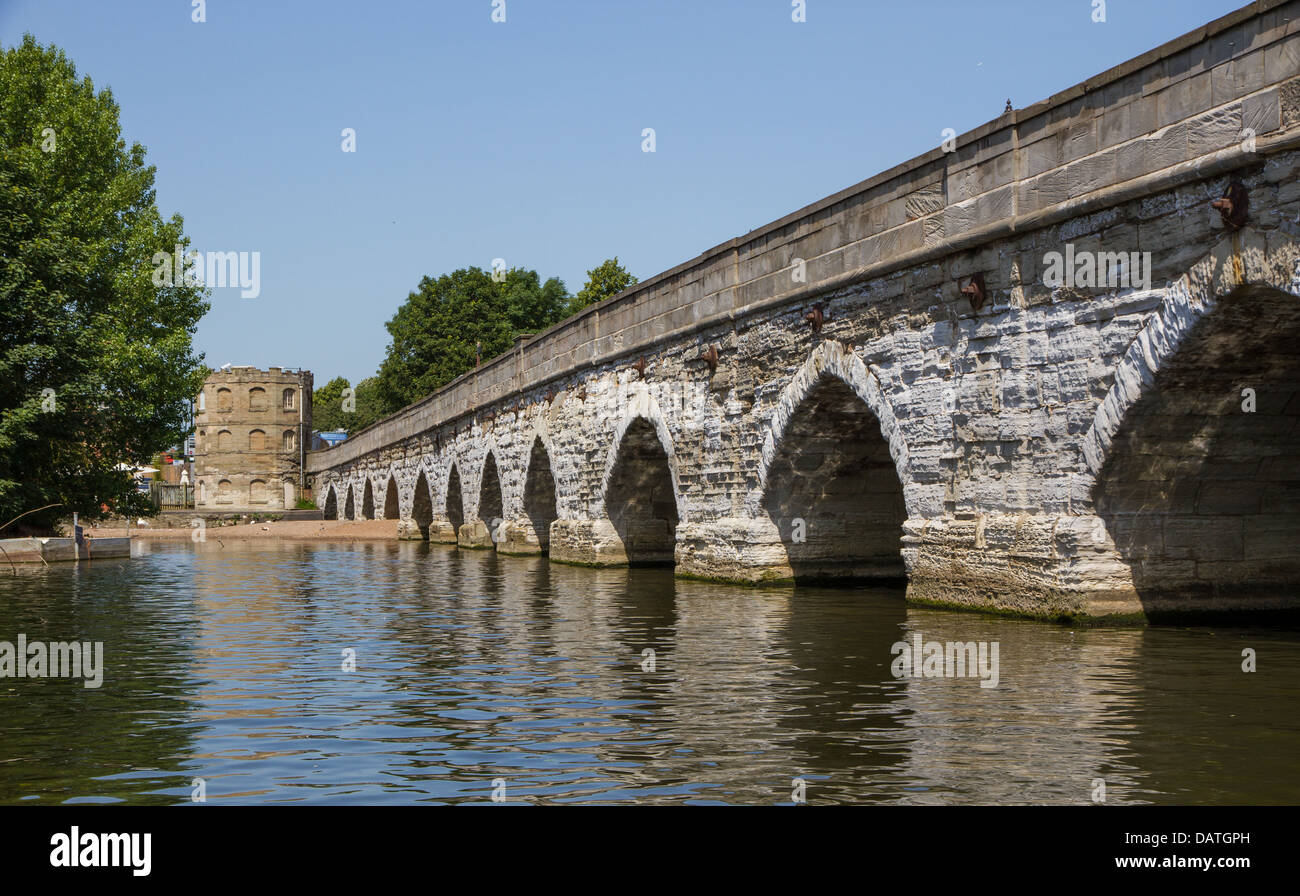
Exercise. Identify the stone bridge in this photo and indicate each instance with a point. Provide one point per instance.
(1043, 369)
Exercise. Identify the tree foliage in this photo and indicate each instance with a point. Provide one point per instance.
(327, 406)
(449, 321)
(97, 366)
(609, 278)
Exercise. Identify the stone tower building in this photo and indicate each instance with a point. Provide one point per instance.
(250, 430)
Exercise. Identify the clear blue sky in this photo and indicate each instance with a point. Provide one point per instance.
(522, 140)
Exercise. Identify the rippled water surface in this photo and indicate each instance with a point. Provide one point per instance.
(225, 663)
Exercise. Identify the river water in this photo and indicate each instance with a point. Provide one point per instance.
(477, 676)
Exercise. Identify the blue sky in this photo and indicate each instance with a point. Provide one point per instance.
(522, 140)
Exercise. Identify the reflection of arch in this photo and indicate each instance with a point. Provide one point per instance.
(539, 492)
(832, 489)
(831, 358)
(391, 506)
(331, 504)
(644, 408)
(641, 495)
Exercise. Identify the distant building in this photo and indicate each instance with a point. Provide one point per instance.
(322, 440)
(250, 426)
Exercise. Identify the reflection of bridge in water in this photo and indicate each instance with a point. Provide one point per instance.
(881, 386)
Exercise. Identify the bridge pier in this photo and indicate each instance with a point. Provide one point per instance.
(587, 543)
(747, 551)
(475, 535)
(519, 538)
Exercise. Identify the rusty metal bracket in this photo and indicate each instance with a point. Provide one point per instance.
(1234, 205)
(816, 317)
(710, 356)
(976, 292)
(640, 366)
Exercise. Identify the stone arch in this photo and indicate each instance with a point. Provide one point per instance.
(540, 495)
(349, 506)
(392, 502)
(831, 358)
(642, 406)
(331, 510)
(454, 500)
(422, 505)
(491, 498)
(833, 495)
(642, 499)
(1195, 482)
(1243, 259)
(368, 501)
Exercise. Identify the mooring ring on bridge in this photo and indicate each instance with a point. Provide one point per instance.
(975, 291)
(1234, 205)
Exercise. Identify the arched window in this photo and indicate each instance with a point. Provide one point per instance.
(225, 401)
(288, 399)
(288, 440)
(225, 492)
(256, 399)
(257, 492)
(200, 440)
(203, 402)
(224, 440)
(257, 440)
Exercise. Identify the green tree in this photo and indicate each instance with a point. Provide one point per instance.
(608, 278)
(97, 366)
(327, 405)
(371, 406)
(449, 321)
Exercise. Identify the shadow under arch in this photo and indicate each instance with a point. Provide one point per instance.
(331, 511)
(455, 502)
(368, 502)
(540, 494)
(833, 492)
(640, 498)
(350, 507)
(1200, 488)
(421, 505)
(490, 501)
(392, 508)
